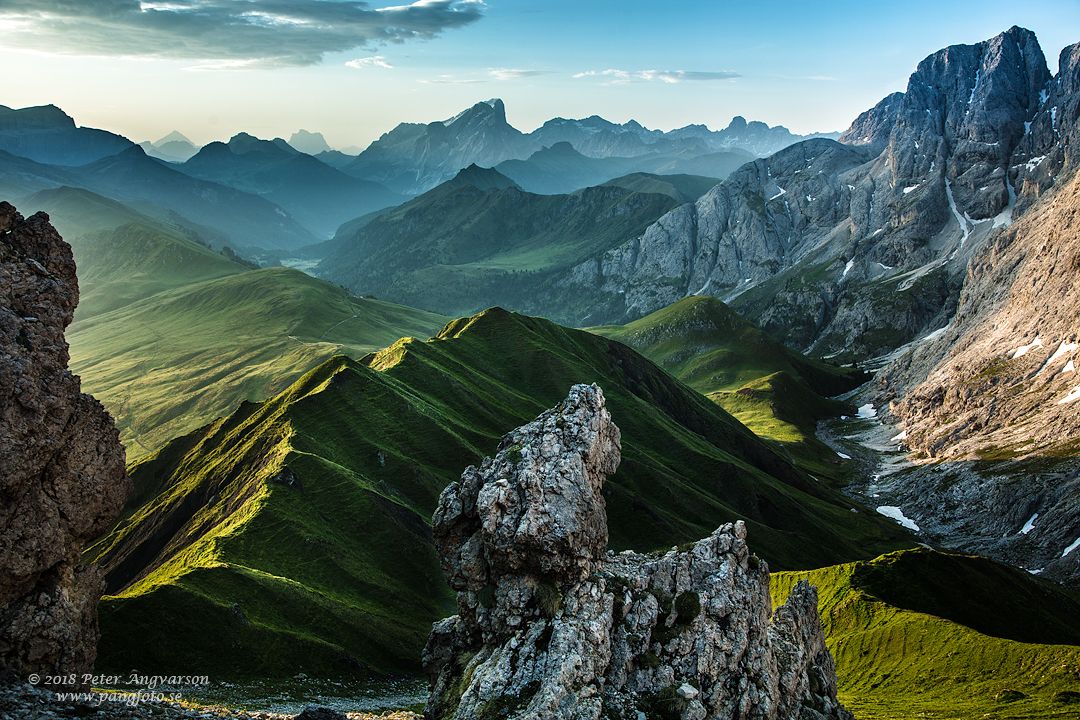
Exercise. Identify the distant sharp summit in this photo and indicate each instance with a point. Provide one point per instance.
(174, 147)
(46, 134)
(413, 158)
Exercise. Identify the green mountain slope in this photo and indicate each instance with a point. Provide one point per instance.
(174, 361)
(123, 255)
(310, 511)
(921, 634)
(472, 243)
(775, 391)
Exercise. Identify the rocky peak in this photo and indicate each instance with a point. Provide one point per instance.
(549, 624)
(62, 478)
(42, 117)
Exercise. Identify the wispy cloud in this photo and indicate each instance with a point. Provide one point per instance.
(268, 33)
(493, 74)
(377, 61)
(451, 80)
(508, 74)
(669, 76)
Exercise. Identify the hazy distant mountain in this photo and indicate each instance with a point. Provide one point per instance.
(681, 188)
(320, 197)
(174, 147)
(413, 158)
(308, 142)
(46, 134)
(562, 169)
(246, 219)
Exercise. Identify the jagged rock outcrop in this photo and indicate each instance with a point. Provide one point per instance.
(62, 478)
(549, 625)
(856, 247)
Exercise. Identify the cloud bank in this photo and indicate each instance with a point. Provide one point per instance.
(229, 33)
(668, 76)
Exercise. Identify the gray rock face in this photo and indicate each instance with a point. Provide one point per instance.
(858, 246)
(62, 478)
(988, 405)
(552, 626)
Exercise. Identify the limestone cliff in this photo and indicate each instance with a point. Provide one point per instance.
(550, 625)
(988, 406)
(62, 478)
(859, 246)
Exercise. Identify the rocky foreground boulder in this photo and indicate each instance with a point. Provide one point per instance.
(62, 478)
(552, 625)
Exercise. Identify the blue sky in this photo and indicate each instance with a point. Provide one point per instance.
(212, 68)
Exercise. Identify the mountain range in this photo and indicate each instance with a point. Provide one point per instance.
(289, 448)
(413, 157)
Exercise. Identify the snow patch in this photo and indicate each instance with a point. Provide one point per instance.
(1004, 218)
(1029, 525)
(847, 268)
(1063, 349)
(956, 213)
(782, 191)
(1044, 94)
(900, 437)
(936, 333)
(885, 267)
(891, 511)
(1074, 395)
(1069, 367)
(1071, 547)
(846, 457)
(1024, 349)
(867, 411)
(1033, 163)
(910, 188)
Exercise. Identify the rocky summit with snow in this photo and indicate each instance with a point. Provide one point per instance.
(552, 625)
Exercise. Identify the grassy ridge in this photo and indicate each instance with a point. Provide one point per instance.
(895, 661)
(323, 494)
(172, 362)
